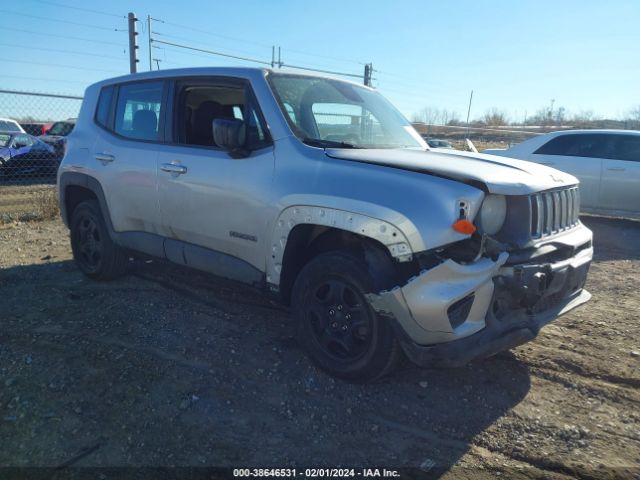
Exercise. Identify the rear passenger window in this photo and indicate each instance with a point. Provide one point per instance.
(138, 110)
(579, 145)
(104, 106)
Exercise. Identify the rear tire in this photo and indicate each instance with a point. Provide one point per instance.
(336, 325)
(94, 252)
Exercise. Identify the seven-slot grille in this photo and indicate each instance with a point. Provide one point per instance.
(554, 211)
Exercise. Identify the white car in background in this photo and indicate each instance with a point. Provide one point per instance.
(607, 163)
(8, 125)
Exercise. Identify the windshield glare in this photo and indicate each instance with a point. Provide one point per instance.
(332, 113)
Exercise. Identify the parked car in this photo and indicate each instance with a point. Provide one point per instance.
(381, 247)
(24, 156)
(607, 163)
(57, 136)
(436, 143)
(8, 125)
(36, 128)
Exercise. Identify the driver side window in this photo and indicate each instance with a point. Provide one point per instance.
(199, 105)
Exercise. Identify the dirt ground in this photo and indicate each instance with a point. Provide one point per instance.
(168, 367)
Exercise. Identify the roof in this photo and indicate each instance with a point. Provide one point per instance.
(595, 130)
(242, 72)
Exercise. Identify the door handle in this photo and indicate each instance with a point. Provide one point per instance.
(173, 168)
(104, 157)
(616, 169)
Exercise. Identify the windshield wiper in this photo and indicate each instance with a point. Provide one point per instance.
(318, 142)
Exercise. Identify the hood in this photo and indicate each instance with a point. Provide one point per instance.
(501, 175)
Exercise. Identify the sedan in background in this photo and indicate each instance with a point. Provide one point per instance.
(36, 128)
(437, 143)
(57, 136)
(23, 157)
(607, 163)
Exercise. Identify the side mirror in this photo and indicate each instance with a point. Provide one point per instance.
(229, 134)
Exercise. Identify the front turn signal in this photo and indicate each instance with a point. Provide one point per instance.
(464, 226)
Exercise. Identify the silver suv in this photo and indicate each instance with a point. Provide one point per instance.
(321, 193)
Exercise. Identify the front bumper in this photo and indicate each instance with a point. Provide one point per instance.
(454, 313)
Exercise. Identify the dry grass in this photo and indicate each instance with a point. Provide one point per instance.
(28, 203)
(46, 203)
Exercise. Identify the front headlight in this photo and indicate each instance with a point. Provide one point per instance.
(492, 214)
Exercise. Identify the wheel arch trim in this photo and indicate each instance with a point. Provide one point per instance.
(389, 235)
(70, 179)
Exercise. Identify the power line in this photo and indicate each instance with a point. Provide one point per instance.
(39, 94)
(320, 65)
(177, 37)
(326, 57)
(248, 59)
(68, 37)
(62, 51)
(206, 32)
(322, 71)
(234, 39)
(60, 66)
(87, 25)
(83, 9)
(213, 52)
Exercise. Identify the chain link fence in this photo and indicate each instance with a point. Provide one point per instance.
(33, 131)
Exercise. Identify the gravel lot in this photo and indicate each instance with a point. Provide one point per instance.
(170, 367)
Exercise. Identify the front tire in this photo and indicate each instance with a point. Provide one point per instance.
(336, 325)
(94, 252)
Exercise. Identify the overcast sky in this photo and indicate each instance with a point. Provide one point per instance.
(515, 55)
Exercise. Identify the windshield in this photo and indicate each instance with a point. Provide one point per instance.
(325, 112)
(9, 126)
(61, 128)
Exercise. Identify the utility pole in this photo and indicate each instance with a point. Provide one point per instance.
(469, 112)
(133, 42)
(368, 70)
(149, 37)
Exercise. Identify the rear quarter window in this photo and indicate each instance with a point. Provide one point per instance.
(103, 108)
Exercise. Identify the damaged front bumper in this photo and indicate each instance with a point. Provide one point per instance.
(453, 313)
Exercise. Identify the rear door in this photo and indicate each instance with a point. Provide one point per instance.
(126, 152)
(581, 155)
(620, 190)
(206, 197)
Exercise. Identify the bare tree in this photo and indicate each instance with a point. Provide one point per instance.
(633, 117)
(582, 119)
(495, 117)
(436, 116)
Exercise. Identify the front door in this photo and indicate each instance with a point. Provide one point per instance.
(620, 190)
(206, 197)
